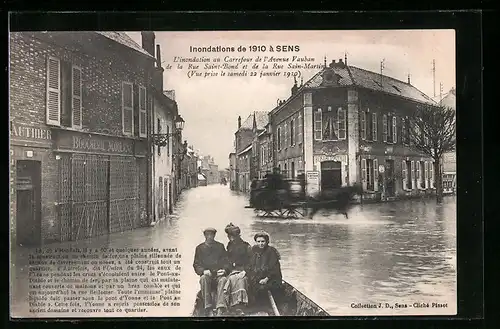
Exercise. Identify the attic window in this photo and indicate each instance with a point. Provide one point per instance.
(396, 89)
(378, 83)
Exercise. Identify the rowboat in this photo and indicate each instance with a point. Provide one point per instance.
(293, 303)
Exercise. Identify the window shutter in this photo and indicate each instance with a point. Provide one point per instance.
(375, 175)
(143, 113)
(384, 128)
(403, 171)
(426, 174)
(363, 125)
(363, 173)
(318, 125)
(76, 97)
(299, 130)
(127, 108)
(341, 115)
(431, 174)
(53, 96)
(419, 174)
(374, 125)
(412, 174)
(394, 130)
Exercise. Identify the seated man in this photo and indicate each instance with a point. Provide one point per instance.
(211, 264)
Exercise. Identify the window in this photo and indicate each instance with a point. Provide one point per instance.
(423, 174)
(64, 94)
(407, 173)
(285, 137)
(329, 125)
(158, 131)
(127, 108)
(168, 141)
(279, 138)
(431, 174)
(374, 128)
(369, 172)
(405, 133)
(384, 128)
(292, 169)
(363, 125)
(143, 113)
(341, 116)
(317, 125)
(292, 132)
(390, 130)
(370, 125)
(300, 129)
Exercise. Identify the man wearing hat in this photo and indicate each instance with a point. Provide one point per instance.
(211, 264)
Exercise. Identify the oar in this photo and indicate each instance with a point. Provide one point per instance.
(273, 303)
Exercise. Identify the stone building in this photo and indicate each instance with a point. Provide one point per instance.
(79, 109)
(348, 125)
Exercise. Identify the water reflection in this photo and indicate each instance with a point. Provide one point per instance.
(393, 252)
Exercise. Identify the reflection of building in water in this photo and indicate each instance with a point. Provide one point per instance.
(79, 105)
(351, 125)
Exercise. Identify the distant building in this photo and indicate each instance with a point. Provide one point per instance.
(233, 173)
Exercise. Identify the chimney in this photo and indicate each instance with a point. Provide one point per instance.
(332, 64)
(409, 81)
(158, 56)
(148, 42)
(239, 122)
(294, 88)
(158, 74)
(341, 62)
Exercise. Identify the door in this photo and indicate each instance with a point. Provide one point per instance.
(28, 204)
(331, 175)
(390, 184)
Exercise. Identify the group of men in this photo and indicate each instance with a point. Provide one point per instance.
(233, 278)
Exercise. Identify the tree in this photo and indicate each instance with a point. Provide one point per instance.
(433, 133)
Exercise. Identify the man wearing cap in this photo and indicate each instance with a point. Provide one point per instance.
(211, 264)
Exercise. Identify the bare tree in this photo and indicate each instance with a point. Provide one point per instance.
(433, 132)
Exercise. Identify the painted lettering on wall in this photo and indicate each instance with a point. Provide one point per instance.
(24, 131)
(89, 144)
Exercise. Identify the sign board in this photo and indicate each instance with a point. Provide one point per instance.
(81, 142)
(312, 182)
(381, 169)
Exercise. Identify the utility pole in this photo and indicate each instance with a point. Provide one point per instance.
(434, 75)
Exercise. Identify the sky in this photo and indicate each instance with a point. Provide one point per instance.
(210, 106)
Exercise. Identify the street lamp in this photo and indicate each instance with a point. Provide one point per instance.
(161, 140)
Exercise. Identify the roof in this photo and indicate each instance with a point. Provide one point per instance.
(124, 39)
(354, 76)
(246, 149)
(261, 119)
(449, 100)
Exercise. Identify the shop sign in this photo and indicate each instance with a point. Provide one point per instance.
(29, 132)
(312, 180)
(93, 143)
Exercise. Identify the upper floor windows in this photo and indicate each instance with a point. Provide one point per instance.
(330, 124)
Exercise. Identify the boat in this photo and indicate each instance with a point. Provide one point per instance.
(294, 303)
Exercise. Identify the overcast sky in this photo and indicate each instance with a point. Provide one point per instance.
(210, 106)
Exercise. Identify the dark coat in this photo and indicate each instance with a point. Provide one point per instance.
(239, 253)
(265, 263)
(210, 257)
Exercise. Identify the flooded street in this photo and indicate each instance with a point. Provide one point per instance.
(399, 252)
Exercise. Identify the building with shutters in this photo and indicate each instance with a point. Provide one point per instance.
(347, 125)
(79, 104)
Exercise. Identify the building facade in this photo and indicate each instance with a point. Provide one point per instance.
(347, 125)
(233, 181)
(449, 161)
(79, 128)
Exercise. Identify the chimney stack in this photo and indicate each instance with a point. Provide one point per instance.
(409, 81)
(148, 42)
(294, 88)
(341, 62)
(158, 56)
(239, 122)
(332, 64)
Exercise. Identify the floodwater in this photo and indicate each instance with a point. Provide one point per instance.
(400, 252)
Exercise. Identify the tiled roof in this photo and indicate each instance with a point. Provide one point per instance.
(124, 39)
(261, 118)
(355, 76)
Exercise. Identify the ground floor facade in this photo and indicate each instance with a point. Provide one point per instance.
(72, 186)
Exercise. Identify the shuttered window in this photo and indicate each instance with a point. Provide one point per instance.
(375, 174)
(292, 132)
(279, 138)
(394, 130)
(300, 129)
(318, 133)
(363, 173)
(426, 174)
(412, 174)
(419, 174)
(142, 112)
(374, 128)
(342, 123)
(53, 96)
(404, 174)
(76, 97)
(363, 125)
(431, 174)
(384, 128)
(127, 108)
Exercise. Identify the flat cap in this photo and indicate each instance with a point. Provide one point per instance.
(210, 229)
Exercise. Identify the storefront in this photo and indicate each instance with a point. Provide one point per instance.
(102, 186)
(32, 195)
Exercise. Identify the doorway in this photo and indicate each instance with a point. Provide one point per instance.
(28, 204)
(331, 174)
(390, 185)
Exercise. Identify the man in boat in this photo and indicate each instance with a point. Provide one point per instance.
(211, 264)
(264, 271)
(239, 254)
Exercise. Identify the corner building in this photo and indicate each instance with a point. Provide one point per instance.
(79, 107)
(347, 125)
